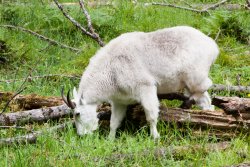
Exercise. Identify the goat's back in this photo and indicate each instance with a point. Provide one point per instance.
(164, 57)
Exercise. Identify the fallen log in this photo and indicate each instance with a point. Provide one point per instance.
(36, 115)
(217, 120)
(33, 101)
(28, 102)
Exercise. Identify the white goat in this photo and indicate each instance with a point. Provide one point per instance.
(135, 66)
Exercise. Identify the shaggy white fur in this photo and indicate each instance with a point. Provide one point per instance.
(135, 66)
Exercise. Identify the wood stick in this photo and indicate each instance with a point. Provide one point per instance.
(31, 78)
(205, 10)
(94, 36)
(31, 137)
(220, 87)
(179, 7)
(49, 40)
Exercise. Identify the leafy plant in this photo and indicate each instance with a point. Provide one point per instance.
(229, 24)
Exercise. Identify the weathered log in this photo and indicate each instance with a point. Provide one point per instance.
(31, 137)
(217, 120)
(232, 105)
(28, 102)
(36, 115)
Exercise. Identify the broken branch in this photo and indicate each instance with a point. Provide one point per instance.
(30, 78)
(220, 87)
(31, 137)
(35, 115)
(205, 10)
(93, 35)
(50, 41)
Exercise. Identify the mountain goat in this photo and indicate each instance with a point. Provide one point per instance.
(135, 66)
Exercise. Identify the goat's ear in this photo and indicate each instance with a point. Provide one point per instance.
(75, 94)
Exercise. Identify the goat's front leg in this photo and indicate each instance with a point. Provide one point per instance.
(203, 101)
(118, 113)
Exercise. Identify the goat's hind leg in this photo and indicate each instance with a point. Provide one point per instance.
(150, 103)
(118, 112)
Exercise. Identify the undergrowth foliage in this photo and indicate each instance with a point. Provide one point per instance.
(229, 24)
(21, 53)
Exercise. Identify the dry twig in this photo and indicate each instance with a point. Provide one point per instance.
(90, 33)
(205, 10)
(30, 78)
(31, 137)
(220, 87)
(50, 41)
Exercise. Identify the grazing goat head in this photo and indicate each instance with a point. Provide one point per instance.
(86, 120)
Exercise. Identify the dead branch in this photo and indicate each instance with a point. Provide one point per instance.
(91, 34)
(214, 6)
(87, 16)
(205, 10)
(35, 115)
(179, 7)
(13, 127)
(220, 87)
(31, 78)
(49, 40)
(31, 137)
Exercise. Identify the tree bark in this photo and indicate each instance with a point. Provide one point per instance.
(233, 105)
(216, 120)
(36, 115)
(28, 102)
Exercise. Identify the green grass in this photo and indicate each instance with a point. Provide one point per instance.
(27, 54)
(67, 149)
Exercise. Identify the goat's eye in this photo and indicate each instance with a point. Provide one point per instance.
(77, 114)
